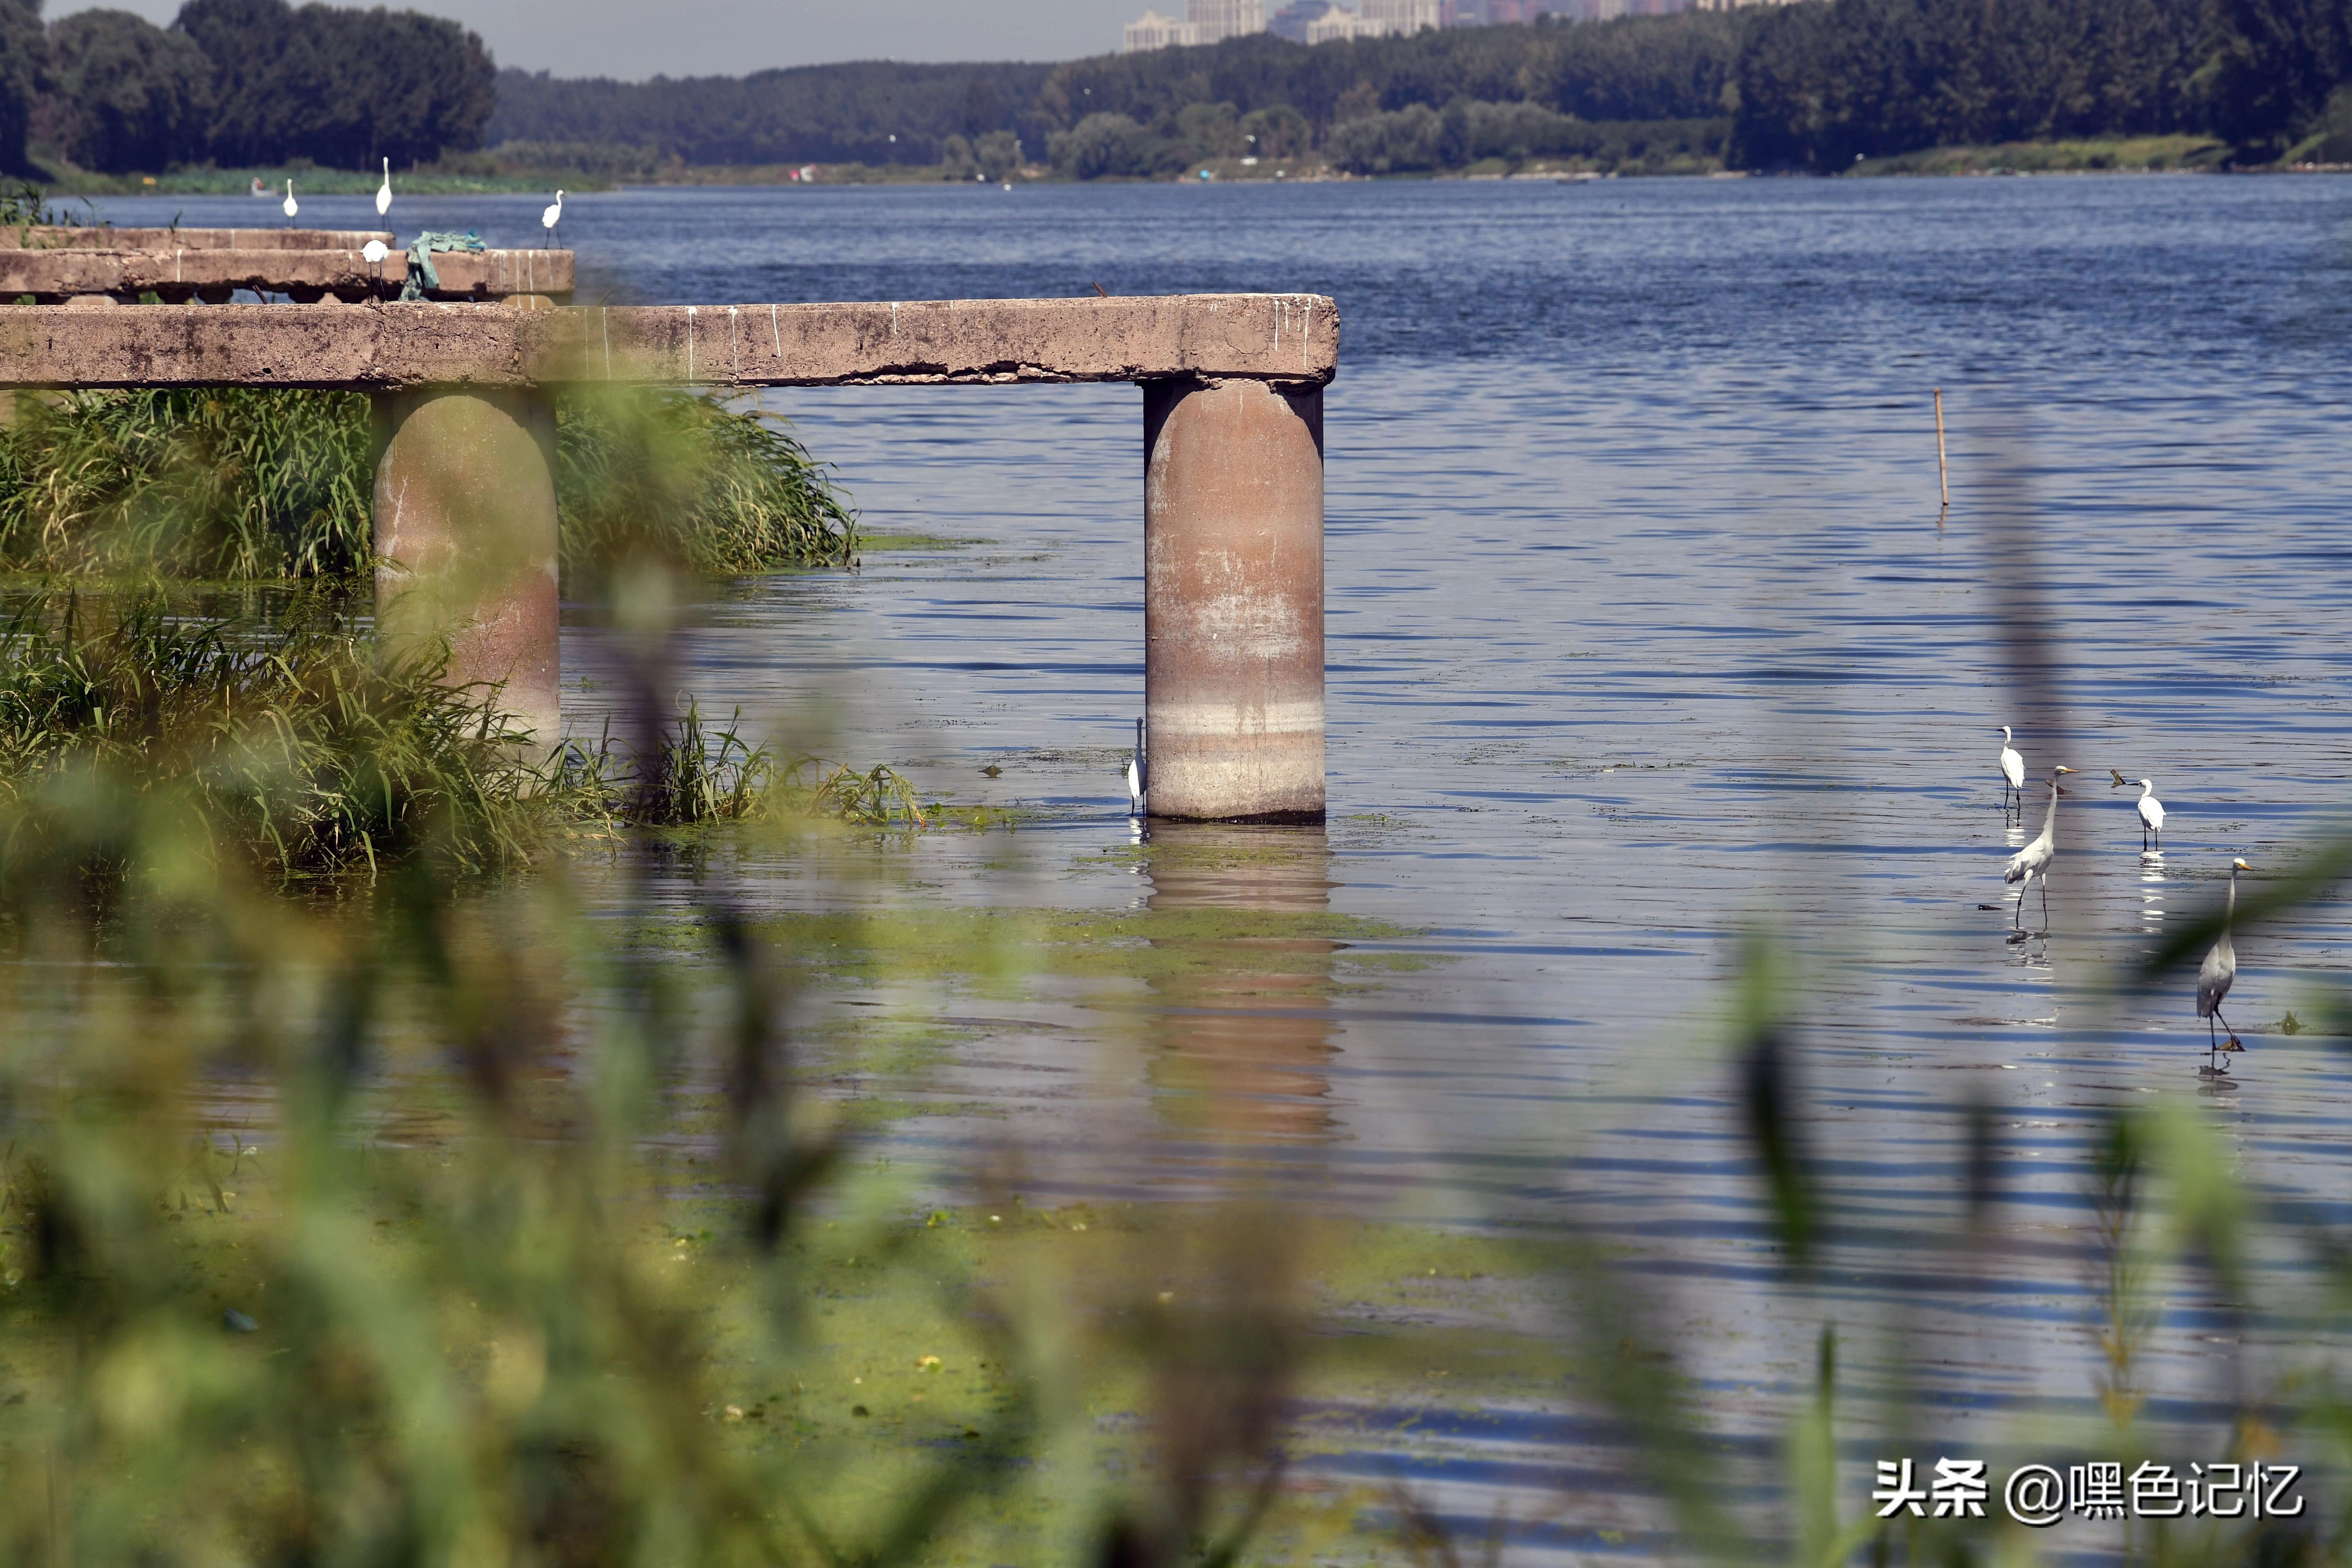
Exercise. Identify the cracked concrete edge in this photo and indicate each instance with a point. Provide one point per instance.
(1285, 338)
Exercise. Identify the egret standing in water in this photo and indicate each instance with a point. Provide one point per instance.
(290, 207)
(2151, 816)
(384, 192)
(2012, 768)
(1137, 774)
(550, 217)
(2217, 975)
(2034, 860)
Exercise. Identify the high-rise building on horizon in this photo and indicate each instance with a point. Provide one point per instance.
(1216, 20)
(1337, 26)
(1392, 17)
(1205, 22)
(1292, 21)
(1154, 31)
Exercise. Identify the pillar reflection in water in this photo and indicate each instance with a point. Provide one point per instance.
(1240, 1040)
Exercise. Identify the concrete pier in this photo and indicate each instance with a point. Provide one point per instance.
(466, 533)
(465, 491)
(308, 276)
(1232, 599)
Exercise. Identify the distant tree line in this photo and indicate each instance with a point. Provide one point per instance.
(1810, 86)
(869, 112)
(237, 82)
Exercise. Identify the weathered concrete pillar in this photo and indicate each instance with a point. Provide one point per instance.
(1232, 599)
(466, 528)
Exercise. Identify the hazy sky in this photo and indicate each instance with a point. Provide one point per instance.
(631, 39)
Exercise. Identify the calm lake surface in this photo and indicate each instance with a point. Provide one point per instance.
(1644, 634)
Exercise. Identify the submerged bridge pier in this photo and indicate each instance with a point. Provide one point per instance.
(465, 487)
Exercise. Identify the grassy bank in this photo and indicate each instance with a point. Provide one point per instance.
(2139, 155)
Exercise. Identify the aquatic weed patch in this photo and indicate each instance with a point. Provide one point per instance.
(999, 945)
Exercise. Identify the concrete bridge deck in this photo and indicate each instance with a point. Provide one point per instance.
(214, 274)
(1287, 337)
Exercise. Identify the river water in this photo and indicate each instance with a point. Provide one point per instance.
(1646, 634)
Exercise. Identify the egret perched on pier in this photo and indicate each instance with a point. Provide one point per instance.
(2218, 973)
(2034, 860)
(2012, 768)
(550, 217)
(1137, 766)
(290, 207)
(384, 192)
(2151, 816)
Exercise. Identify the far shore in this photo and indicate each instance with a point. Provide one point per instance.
(479, 173)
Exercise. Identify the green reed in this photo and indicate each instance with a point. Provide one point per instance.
(229, 482)
(685, 479)
(292, 743)
(696, 773)
(260, 483)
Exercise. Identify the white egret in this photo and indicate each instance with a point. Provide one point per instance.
(290, 207)
(373, 253)
(2151, 816)
(1137, 764)
(384, 192)
(2034, 860)
(2012, 768)
(2218, 973)
(551, 217)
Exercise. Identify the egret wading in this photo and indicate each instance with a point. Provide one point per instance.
(2012, 769)
(2034, 860)
(290, 207)
(2218, 973)
(1139, 773)
(552, 216)
(384, 192)
(2151, 816)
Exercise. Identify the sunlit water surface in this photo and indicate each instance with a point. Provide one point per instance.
(1644, 633)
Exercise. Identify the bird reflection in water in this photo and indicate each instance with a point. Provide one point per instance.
(1241, 1037)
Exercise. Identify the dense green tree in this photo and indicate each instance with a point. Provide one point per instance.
(843, 113)
(1824, 82)
(2274, 66)
(1104, 144)
(124, 95)
(1410, 138)
(339, 87)
(24, 60)
(1638, 68)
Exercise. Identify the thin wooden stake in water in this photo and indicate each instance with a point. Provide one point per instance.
(1943, 473)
